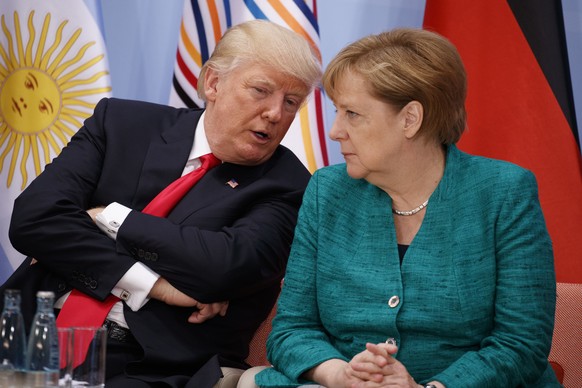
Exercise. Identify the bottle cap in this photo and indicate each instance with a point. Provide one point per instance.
(45, 294)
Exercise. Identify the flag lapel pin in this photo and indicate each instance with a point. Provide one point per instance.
(232, 183)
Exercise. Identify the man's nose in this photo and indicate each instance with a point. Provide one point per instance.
(273, 109)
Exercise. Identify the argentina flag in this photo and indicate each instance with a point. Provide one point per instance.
(53, 71)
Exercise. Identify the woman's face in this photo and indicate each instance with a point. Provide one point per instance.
(370, 131)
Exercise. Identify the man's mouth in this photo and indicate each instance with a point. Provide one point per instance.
(261, 135)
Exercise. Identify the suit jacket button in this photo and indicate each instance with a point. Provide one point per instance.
(140, 253)
(394, 301)
(148, 256)
(154, 256)
(93, 284)
(62, 287)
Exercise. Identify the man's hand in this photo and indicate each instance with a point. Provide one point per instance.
(93, 212)
(165, 292)
(207, 311)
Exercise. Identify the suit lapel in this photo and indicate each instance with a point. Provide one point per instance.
(214, 187)
(166, 157)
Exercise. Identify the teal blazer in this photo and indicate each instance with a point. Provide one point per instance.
(472, 304)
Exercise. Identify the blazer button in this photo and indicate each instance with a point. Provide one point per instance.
(140, 253)
(93, 284)
(148, 256)
(394, 301)
(62, 287)
(154, 256)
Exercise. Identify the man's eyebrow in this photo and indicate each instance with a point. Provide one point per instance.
(263, 81)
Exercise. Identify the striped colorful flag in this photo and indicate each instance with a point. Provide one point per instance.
(519, 103)
(53, 71)
(204, 22)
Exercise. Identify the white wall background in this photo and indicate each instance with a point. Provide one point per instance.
(142, 35)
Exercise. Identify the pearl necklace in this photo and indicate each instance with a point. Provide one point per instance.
(410, 212)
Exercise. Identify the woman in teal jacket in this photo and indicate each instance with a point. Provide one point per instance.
(443, 253)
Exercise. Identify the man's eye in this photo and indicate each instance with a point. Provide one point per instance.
(351, 114)
(292, 102)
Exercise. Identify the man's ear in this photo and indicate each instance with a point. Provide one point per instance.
(413, 116)
(210, 84)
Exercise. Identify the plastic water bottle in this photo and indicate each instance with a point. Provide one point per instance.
(13, 341)
(42, 357)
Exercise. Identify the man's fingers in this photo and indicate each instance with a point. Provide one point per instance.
(196, 317)
(208, 311)
(223, 308)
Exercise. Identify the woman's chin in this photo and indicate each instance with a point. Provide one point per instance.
(355, 172)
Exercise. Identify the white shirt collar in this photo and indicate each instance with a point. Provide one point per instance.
(200, 146)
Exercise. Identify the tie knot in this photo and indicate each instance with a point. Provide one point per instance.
(209, 161)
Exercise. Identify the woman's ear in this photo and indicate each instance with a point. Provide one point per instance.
(210, 84)
(413, 115)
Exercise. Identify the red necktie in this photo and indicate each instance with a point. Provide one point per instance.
(80, 310)
(165, 201)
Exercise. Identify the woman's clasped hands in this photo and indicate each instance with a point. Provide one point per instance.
(376, 367)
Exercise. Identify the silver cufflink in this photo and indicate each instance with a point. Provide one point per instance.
(125, 295)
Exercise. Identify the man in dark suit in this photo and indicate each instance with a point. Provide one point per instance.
(195, 285)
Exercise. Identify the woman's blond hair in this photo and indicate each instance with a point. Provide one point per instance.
(404, 65)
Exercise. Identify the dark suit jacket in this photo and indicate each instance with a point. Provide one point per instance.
(219, 243)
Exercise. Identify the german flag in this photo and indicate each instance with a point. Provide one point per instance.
(520, 105)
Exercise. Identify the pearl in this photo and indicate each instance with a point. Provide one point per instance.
(410, 212)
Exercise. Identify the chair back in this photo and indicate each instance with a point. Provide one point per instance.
(257, 347)
(566, 354)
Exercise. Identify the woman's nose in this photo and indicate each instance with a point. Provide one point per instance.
(335, 133)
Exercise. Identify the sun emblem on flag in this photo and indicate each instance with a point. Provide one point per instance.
(47, 88)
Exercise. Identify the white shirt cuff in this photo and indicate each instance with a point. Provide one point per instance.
(134, 287)
(111, 219)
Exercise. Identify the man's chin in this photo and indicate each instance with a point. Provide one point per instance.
(255, 158)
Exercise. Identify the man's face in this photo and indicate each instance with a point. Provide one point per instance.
(249, 111)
